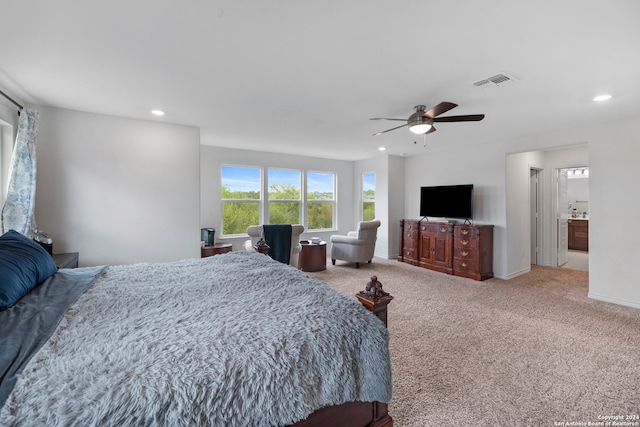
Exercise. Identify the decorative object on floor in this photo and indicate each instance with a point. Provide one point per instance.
(256, 232)
(375, 299)
(374, 289)
(357, 246)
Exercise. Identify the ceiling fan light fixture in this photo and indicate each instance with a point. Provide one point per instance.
(420, 128)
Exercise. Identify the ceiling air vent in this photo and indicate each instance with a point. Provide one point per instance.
(501, 79)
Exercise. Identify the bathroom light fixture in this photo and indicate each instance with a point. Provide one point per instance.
(157, 112)
(601, 98)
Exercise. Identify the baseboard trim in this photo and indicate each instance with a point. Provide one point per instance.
(513, 275)
(612, 300)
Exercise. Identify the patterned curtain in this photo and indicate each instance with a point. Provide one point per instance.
(18, 212)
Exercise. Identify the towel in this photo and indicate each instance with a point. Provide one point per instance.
(278, 237)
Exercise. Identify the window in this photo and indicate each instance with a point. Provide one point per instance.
(241, 198)
(6, 149)
(284, 196)
(321, 200)
(368, 196)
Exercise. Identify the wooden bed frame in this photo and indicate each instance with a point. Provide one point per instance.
(356, 414)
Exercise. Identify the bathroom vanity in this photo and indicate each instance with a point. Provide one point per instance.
(579, 234)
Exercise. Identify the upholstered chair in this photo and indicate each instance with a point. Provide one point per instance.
(256, 232)
(357, 246)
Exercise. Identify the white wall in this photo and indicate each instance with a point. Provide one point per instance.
(613, 156)
(212, 159)
(118, 190)
(482, 166)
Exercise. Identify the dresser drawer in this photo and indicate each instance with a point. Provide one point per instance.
(465, 231)
(464, 242)
(462, 252)
(437, 229)
(410, 252)
(465, 265)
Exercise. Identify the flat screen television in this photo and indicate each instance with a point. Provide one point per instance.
(447, 201)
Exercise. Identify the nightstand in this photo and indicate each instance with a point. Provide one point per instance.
(68, 260)
(217, 249)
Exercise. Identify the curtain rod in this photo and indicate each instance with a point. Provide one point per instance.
(12, 100)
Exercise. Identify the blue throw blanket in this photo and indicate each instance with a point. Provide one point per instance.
(278, 237)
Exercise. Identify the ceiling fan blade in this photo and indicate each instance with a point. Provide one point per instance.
(443, 107)
(433, 129)
(467, 118)
(385, 131)
(385, 118)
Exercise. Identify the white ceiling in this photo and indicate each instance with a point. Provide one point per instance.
(304, 77)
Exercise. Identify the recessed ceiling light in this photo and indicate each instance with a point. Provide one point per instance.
(601, 98)
(382, 148)
(157, 112)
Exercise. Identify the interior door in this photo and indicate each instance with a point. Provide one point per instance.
(534, 203)
(563, 218)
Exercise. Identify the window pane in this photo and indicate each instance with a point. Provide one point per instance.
(284, 184)
(368, 211)
(368, 196)
(284, 213)
(237, 216)
(240, 183)
(319, 215)
(369, 186)
(320, 186)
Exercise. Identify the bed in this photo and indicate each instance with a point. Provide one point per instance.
(231, 340)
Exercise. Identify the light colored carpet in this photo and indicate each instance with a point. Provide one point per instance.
(531, 351)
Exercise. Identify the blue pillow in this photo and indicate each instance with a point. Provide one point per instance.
(23, 265)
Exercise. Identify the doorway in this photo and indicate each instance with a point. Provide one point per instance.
(574, 211)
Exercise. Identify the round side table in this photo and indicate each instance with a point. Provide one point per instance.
(313, 256)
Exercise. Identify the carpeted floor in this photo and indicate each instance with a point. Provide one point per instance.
(531, 351)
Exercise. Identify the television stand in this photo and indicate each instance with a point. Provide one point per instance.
(463, 250)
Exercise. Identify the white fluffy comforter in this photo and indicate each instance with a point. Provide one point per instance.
(231, 340)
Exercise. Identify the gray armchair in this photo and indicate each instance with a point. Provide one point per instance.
(357, 246)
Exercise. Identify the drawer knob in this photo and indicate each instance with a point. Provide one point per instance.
(409, 235)
(464, 264)
(465, 253)
(464, 231)
(442, 229)
(465, 242)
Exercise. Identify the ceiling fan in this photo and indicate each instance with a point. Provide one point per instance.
(421, 122)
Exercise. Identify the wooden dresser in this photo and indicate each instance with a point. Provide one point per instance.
(458, 249)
